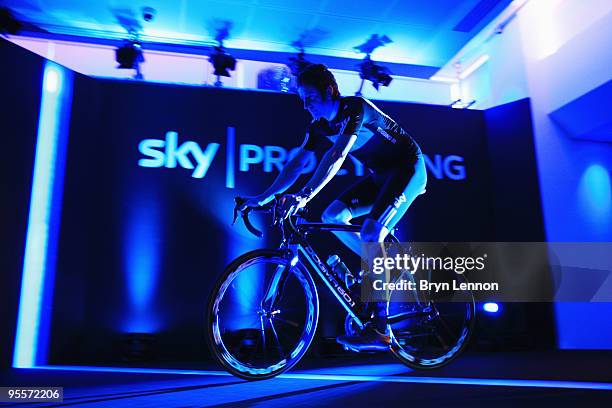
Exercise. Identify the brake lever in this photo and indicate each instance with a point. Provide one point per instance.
(239, 201)
(235, 216)
(245, 217)
(250, 227)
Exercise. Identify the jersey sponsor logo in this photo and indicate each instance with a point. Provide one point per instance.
(171, 152)
(397, 201)
(386, 135)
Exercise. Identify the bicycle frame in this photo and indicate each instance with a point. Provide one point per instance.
(298, 249)
(338, 288)
(321, 269)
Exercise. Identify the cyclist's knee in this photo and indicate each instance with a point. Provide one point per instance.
(336, 213)
(373, 231)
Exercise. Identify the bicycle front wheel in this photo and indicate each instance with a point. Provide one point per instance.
(262, 315)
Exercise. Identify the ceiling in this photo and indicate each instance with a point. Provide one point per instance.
(425, 34)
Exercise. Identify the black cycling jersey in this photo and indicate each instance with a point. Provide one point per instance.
(381, 143)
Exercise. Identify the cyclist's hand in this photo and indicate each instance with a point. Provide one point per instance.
(290, 204)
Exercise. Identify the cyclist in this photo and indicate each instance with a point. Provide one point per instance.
(353, 125)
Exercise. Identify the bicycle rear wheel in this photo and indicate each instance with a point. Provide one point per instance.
(262, 315)
(433, 330)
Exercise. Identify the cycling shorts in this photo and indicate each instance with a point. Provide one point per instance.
(387, 194)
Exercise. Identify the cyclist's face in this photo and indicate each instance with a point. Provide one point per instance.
(318, 106)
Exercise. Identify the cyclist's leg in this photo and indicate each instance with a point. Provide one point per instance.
(399, 191)
(356, 201)
(397, 194)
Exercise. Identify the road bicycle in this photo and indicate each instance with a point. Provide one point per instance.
(263, 312)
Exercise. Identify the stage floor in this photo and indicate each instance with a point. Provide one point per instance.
(564, 378)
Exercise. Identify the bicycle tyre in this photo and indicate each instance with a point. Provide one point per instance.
(413, 361)
(215, 339)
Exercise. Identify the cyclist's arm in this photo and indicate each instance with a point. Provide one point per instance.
(330, 164)
(288, 175)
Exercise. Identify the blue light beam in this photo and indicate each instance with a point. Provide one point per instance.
(230, 153)
(142, 257)
(45, 201)
(596, 192)
(495, 382)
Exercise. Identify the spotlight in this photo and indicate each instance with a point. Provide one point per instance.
(129, 56)
(368, 70)
(490, 307)
(377, 74)
(8, 23)
(222, 62)
(219, 58)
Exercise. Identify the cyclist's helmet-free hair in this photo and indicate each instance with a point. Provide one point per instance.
(320, 78)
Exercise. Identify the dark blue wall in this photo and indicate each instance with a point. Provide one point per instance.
(517, 213)
(516, 206)
(141, 247)
(21, 76)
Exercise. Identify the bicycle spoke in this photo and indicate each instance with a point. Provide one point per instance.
(278, 345)
(252, 356)
(441, 340)
(400, 317)
(263, 338)
(453, 314)
(289, 322)
(449, 332)
(446, 323)
(264, 290)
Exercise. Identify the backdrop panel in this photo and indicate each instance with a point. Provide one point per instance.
(151, 173)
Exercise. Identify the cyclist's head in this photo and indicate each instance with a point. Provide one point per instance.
(319, 91)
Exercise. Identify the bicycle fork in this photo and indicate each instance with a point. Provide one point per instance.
(276, 287)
